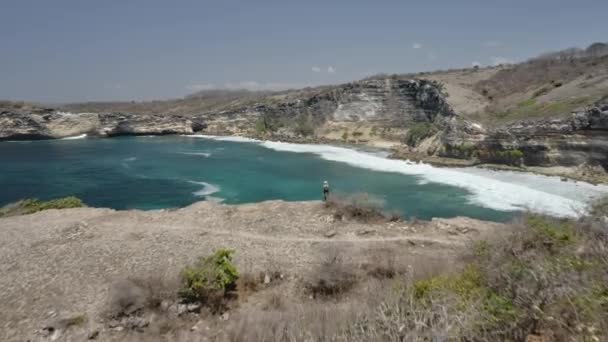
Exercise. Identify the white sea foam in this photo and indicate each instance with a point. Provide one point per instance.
(499, 190)
(81, 136)
(207, 189)
(222, 138)
(65, 113)
(204, 154)
(215, 199)
(126, 161)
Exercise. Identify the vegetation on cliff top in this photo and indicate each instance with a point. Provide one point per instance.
(33, 205)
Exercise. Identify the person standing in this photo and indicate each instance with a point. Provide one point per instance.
(325, 190)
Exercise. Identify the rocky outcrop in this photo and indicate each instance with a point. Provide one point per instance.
(581, 138)
(52, 124)
(387, 99)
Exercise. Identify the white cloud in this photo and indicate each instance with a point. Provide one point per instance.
(331, 69)
(497, 60)
(475, 64)
(200, 87)
(249, 85)
(492, 43)
(416, 46)
(431, 56)
(253, 85)
(316, 69)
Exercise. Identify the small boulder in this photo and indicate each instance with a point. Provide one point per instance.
(330, 234)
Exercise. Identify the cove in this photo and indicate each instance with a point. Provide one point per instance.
(175, 171)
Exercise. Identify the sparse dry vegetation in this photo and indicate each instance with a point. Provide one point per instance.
(361, 207)
(332, 278)
(545, 281)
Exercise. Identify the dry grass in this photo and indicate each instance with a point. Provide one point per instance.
(136, 295)
(537, 73)
(546, 280)
(332, 278)
(361, 207)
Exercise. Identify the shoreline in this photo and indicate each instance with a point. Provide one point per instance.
(567, 173)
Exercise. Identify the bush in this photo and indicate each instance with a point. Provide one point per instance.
(554, 272)
(209, 279)
(33, 205)
(361, 207)
(133, 296)
(511, 157)
(304, 125)
(544, 281)
(332, 278)
(419, 132)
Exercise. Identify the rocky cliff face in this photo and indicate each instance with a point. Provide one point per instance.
(389, 101)
(579, 139)
(51, 124)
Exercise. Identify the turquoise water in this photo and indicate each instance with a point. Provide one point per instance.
(164, 172)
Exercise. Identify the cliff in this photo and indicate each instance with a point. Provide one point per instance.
(395, 103)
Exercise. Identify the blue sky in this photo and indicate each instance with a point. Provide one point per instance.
(77, 50)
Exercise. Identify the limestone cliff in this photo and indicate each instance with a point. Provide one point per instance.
(395, 103)
(581, 138)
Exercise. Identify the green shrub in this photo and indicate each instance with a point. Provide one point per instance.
(209, 278)
(260, 126)
(511, 157)
(550, 232)
(304, 125)
(469, 289)
(345, 135)
(374, 131)
(418, 132)
(33, 205)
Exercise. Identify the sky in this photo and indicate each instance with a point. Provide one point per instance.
(121, 50)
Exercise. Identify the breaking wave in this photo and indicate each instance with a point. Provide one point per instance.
(81, 136)
(204, 154)
(222, 138)
(207, 189)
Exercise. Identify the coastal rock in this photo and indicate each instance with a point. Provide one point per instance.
(580, 139)
(51, 124)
